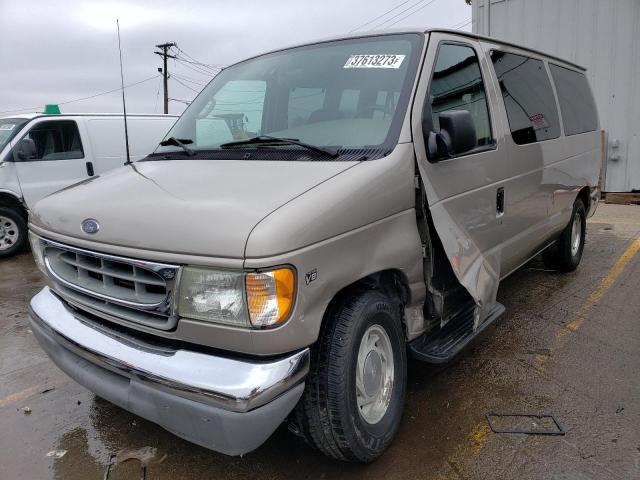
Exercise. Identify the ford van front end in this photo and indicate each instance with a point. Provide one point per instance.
(189, 287)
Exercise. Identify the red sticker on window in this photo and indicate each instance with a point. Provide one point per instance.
(538, 121)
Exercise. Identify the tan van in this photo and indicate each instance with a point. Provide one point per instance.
(317, 215)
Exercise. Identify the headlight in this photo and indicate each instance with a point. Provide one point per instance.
(256, 299)
(38, 252)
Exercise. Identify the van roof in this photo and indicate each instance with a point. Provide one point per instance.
(422, 31)
(504, 42)
(33, 115)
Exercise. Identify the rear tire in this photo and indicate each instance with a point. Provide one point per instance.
(336, 414)
(566, 253)
(13, 232)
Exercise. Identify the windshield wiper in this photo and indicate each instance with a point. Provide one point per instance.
(266, 139)
(179, 142)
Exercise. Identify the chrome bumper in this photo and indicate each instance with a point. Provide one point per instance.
(226, 404)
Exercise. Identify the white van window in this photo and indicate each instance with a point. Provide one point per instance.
(304, 103)
(528, 97)
(234, 113)
(579, 114)
(9, 127)
(56, 140)
(349, 101)
(457, 85)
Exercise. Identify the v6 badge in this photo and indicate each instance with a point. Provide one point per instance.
(311, 276)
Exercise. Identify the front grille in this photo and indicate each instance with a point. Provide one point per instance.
(119, 288)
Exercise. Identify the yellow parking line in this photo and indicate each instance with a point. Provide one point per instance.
(21, 395)
(603, 287)
(479, 437)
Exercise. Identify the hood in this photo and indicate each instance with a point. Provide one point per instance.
(198, 207)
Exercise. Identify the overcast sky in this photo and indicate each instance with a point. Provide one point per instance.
(56, 51)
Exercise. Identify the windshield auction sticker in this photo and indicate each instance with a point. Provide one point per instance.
(7, 126)
(374, 61)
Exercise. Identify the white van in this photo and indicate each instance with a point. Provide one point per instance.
(41, 154)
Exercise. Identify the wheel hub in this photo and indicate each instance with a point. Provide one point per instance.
(8, 233)
(374, 374)
(576, 234)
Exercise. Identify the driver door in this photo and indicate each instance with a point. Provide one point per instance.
(58, 163)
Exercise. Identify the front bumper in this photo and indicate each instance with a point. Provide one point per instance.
(225, 404)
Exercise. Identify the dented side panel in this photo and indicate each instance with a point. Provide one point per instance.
(461, 194)
(540, 182)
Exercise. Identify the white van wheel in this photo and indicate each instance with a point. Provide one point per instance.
(566, 253)
(13, 232)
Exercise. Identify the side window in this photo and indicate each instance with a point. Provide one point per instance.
(579, 113)
(306, 105)
(235, 113)
(56, 140)
(528, 97)
(457, 85)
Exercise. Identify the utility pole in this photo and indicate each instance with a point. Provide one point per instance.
(164, 54)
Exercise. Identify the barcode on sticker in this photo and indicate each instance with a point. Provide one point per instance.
(374, 61)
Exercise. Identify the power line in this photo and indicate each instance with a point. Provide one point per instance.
(85, 98)
(379, 16)
(198, 64)
(408, 15)
(189, 80)
(199, 81)
(456, 25)
(185, 85)
(198, 61)
(199, 70)
(462, 26)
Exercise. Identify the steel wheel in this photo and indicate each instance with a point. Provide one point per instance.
(9, 233)
(374, 374)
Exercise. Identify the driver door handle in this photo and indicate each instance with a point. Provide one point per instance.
(500, 201)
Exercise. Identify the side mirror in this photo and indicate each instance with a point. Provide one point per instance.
(25, 150)
(457, 135)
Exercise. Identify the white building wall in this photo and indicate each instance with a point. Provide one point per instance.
(601, 35)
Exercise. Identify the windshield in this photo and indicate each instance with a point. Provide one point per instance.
(9, 127)
(347, 94)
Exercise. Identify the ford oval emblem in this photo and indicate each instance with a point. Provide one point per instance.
(90, 226)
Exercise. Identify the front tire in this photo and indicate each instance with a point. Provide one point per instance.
(354, 397)
(566, 253)
(13, 232)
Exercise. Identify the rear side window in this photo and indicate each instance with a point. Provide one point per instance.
(56, 140)
(457, 85)
(528, 98)
(579, 113)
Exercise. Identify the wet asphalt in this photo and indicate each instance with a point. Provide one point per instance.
(568, 346)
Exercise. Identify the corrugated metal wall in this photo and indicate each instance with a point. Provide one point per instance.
(603, 36)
